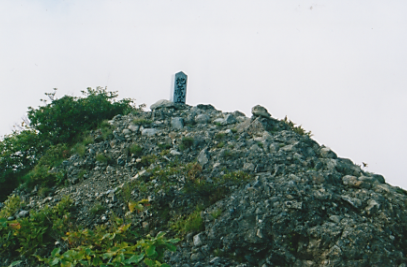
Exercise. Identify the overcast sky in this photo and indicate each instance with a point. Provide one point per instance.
(338, 68)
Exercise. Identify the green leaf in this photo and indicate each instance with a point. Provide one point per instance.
(135, 259)
(160, 234)
(149, 262)
(55, 252)
(150, 250)
(97, 261)
(55, 261)
(15, 263)
(174, 240)
(171, 247)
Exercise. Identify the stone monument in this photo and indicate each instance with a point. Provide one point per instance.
(180, 88)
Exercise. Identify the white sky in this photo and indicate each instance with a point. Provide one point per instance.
(339, 68)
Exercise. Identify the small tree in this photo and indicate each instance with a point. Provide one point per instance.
(63, 119)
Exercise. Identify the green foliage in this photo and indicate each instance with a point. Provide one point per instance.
(82, 173)
(87, 140)
(297, 129)
(106, 130)
(191, 223)
(60, 122)
(216, 213)
(25, 236)
(219, 136)
(97, 209)
(11, 206)
(118, 246)
(101, 158)
(147, 160)
(79, 149)
(210, 192)
(42, 175)
(63, 119)
(220, 144)
(136, 149)
(19, 152)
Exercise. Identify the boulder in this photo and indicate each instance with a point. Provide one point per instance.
(260, 111)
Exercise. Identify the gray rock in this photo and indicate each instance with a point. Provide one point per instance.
(220, 121)
(163, 103)
(260, 112)
(133, 127)
(149, 131)
(230, 119)
(326, 152)
(23, 214)
(175, 152)
(202, 118)
(177, 123)
(126, 131)
(199, 239)
(248, 167)
(203, 157)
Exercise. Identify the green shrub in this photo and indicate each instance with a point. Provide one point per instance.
(79, 149)
(25, 236)
(191, 223)
(11, 206)
(220, 144)
(101, 157)
(136, 149)
(63, 119)
(19, 152)
(87, 140)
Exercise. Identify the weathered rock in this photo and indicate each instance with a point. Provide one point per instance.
(163, 103)
(149, 131)
(203, 157)
(177, 123)
(260, 111)
(202, 118)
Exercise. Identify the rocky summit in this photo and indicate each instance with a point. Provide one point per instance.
(237, 191)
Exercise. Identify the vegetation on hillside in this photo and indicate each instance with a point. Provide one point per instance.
(26, 156)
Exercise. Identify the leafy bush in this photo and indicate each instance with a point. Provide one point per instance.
(42, 175)
(63, 119)
(19, 152)
(80, 149)
(192, 223)
(25, 236)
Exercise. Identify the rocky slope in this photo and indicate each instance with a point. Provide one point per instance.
(268, 194)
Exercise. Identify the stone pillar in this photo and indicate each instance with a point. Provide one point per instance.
(180, 88)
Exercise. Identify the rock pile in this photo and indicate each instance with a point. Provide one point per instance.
(298, 204)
